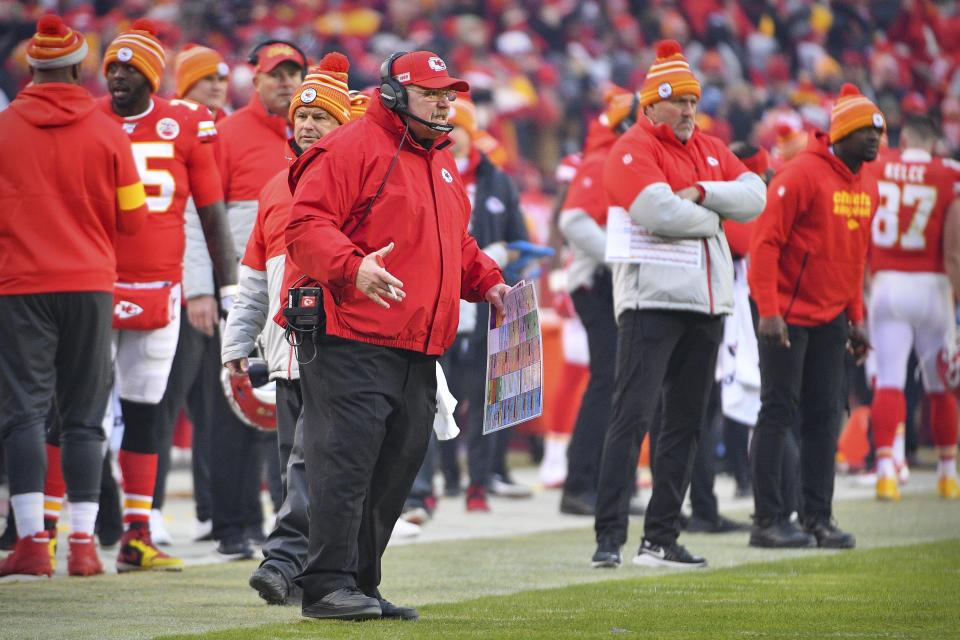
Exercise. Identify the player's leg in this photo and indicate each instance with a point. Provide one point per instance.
(144, 360)
(892, 336)
(935, 327)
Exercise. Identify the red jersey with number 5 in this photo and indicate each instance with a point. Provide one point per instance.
(174, 155)
(916, 190)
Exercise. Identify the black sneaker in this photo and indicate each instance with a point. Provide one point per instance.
(390, 611)
(583, 504)
(348, 603)
(828, 535)
(674, 556)
(607, 555)
(234, 549)
(780, 534)
(722, 524)
(270, 584)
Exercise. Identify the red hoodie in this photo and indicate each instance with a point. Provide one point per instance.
(809, 247)
(423, 209)
(68, 183)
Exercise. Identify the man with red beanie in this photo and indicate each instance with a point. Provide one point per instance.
(915, 262)
(673, 186)
(320, 105)
(808, 255)
(56, 289)
(379, 221)
(252, 148)
(174, 159)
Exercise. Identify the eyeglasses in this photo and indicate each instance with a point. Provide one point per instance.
(436, 95)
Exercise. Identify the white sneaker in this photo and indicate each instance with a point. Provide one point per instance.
(202, 530)
(158, 529)
(499, 487)
(404, 529)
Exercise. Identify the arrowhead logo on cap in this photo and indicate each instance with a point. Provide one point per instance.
(437, 64)
(125, 54)
(665, 90)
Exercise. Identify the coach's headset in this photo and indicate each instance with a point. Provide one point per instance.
(254, 58)
(393, 95)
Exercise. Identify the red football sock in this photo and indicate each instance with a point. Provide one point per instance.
(889, 409)
(54, 488)
(943, 419)
(139, 479)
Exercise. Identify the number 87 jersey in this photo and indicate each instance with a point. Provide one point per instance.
(915, 190)
(173, 150)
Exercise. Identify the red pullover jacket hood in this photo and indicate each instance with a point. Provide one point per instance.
(56, 105)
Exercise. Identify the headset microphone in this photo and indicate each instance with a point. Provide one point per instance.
(443, 128)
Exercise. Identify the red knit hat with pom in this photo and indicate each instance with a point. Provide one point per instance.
(853, 111)
(139, 48)
(668, 76)
(326, 87)
(55, 45)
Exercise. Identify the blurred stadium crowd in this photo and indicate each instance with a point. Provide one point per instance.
(538, 69)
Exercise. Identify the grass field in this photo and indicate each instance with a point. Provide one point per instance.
(906, 592)
(542, 585)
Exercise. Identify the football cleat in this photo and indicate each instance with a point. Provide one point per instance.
(887, 489)
(30, 557)
(948, 488)
(138, 553)
(83, 559)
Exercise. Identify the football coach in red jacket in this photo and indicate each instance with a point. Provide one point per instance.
(379, 220)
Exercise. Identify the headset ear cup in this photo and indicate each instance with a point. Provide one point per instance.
(388, 97)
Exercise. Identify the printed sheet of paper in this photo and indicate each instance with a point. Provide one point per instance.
(514, 390)
(629, 242)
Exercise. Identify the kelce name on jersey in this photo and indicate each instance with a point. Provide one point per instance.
(897, 172)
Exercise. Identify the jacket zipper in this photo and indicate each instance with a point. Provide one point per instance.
(796, 288)
(706, 250)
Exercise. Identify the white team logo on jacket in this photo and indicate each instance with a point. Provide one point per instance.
(713, 162)
(627, 158)
(125, 310)
(437, 64)
(446, 176)
(168, 128)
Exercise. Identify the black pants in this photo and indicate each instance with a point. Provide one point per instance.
(55, 348)
(367, 416)
(595, 308)
(196, 354)
(807, 378)
(672, 353)
(286, 546)
(736, 438)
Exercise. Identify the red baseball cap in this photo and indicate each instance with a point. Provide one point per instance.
(426, 69)
(270, 55)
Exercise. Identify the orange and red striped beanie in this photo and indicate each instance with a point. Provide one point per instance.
(326, 87)
(55, 45)
(669, 75)
(139, 48)
(853, 111)
(359, 103)
(194, 63)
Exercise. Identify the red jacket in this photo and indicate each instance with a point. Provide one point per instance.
(251, 150)
(809, 247)
(68, 183)
(423, 209)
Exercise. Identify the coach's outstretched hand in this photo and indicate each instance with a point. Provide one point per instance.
(376, 282)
